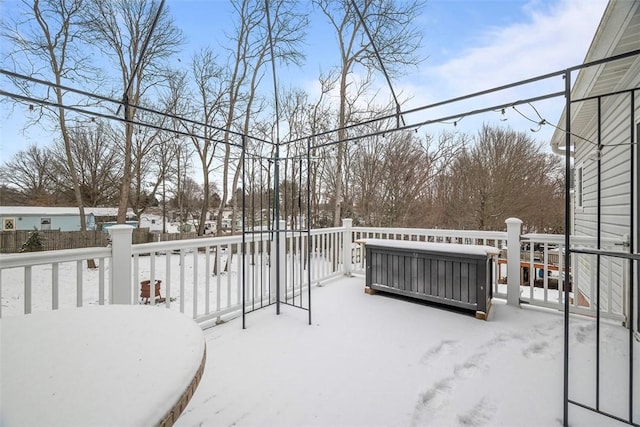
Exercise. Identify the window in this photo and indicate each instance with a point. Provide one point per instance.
(45, 223)
(8, 224)
(578, 187)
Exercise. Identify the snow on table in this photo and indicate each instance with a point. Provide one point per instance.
(107, 365)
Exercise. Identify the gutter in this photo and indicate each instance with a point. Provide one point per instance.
(555, 148)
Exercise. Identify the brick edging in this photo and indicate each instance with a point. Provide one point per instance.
(174, 413)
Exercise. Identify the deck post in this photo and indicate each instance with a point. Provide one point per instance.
(514, 226)
(120, 282)
(347, 242)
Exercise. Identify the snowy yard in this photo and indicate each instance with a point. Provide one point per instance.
(382, 361)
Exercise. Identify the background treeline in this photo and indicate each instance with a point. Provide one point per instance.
(403, 179)
(168, 129)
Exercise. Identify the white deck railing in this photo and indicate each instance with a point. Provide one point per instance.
(545, 291)
(203, 277)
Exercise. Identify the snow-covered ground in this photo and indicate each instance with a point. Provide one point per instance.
(378, 360)
(375, 360)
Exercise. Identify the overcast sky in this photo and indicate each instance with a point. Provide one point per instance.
(468, 46)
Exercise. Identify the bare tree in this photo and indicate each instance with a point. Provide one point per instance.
(207, 103)
(505, 173)
(252, 47)
(188, 201)
(139, 37)
(394, 176)
(29, 172)
(389, 40)
(183, 169)
(97, 160)
(149, 161)
(47, 43)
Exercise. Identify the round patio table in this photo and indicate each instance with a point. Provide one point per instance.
(116, 365)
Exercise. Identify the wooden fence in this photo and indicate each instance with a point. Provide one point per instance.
(12, 241)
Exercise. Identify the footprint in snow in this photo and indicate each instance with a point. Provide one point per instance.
(470, 366)
(480, 415)
(504, 338)
(536, 349)
(444, 348)
(431, 401)
(554, 328)
(585, 332)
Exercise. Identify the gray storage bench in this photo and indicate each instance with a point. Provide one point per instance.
(445, 273)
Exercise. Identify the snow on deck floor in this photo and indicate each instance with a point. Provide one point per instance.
(376, 360)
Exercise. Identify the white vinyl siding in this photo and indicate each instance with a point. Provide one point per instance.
(615, 190)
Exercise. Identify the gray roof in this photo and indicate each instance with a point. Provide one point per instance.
(51, 210)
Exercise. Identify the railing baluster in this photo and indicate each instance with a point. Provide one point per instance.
(238, 285)
(218, 263)
(532, 272)
(55, 288)
(152, 278)
(545, 271)
(592, 274)
(137, 286)
(182, 270)
(561, 275)
(79, 271)
(610, 288)
(167, 290)
(101, 270)
(195, 282)
(27, 290)
(207, 278)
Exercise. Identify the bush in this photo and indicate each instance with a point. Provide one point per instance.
(34, 243)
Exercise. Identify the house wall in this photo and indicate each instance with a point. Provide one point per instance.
(616, 176)
(58, 222)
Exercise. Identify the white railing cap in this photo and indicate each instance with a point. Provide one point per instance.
(50, 257)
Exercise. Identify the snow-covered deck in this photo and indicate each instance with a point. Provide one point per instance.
(377, 360)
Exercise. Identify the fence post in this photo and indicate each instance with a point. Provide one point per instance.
(514, 226)
(347, 242)
(120, 290)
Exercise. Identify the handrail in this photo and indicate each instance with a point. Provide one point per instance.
(195, 243)
(574, 239)
(497, 235)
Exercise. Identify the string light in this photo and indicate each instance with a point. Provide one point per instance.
(543, 122)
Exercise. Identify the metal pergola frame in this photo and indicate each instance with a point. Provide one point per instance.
(632, 257)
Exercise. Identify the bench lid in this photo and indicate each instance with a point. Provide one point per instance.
(451, 248)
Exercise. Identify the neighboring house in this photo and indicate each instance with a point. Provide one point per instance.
(53, 218)
(615, 87)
